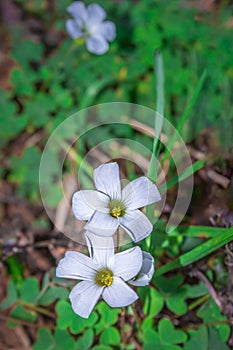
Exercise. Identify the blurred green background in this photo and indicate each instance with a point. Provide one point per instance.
(44, 79)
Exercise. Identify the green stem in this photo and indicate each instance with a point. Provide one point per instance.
(39, 309)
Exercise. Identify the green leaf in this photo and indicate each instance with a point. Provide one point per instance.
(198, 340)
(215, 341)
(29, 290)
(67, 318)
(176, 302)
(63, 340)
(44, 340)
(53, 294)
(168, 285)
(168, 333)
(151, 337)
(12, 296)
(153, 303)
(102, 347)
(86, 340)
(110, 336)
(65, 314)
(210, 312)
(161, 347)
(108, 316)
(199, 252)
(19, 312)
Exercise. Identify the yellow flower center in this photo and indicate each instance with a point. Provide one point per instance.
(104, 277)
(116, 208)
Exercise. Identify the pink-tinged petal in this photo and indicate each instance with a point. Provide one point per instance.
(77, 10)
(137, 225)
(84, 296)
(146, 273)
(107, 180)
(102, 224)
(101, 249)
(139, 193)
(96, 14)
(85, 202)
(76, 266)
(128, 263)
(119, 294)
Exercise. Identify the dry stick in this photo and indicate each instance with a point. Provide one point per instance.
(137, 318)
(209, 286)
(122, 325)
(229, 263)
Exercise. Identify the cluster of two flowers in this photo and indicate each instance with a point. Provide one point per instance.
(105, 273)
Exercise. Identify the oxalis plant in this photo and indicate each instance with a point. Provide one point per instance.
(105, 273)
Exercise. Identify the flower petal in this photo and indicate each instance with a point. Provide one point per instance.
(84, 296)
(97, 45)
(96, 14)
(76, 266)
(107, 180)
(102, 224)
(78, 10)
(146, 273)
(139, 193)
(119, 294)
(101, 249)
(85, 202)
(73, 29)
(106, 29)
(128, 263)
(136, 224)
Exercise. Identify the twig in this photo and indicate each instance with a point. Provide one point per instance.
(229, 263)
(16, 320)
(137, 318)
(122, 325)
(39, 309)
(209, 286)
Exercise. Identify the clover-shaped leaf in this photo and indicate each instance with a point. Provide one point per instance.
(168, 334)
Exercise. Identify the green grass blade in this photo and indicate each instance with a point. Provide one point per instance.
(158, 123)
(186, 173)
(199, 252)
(185, 115)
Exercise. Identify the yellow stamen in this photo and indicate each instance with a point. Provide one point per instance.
(104, 277)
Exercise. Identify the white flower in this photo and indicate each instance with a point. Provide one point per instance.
(103, 273)
(88, 23)
(146, 273)
(109, 206)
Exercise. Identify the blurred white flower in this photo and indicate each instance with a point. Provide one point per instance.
(103, 273)
(110, 207)
(88, 23)
(146, 273)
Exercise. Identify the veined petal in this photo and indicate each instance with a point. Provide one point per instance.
(146, 273)
(139, 193)
(76, 266)
(106, 29)
(107, 180)
(85, 202)
(77, 10)
(84, 296)
(97, 45)
(102, 224)
(128, 263)
(101, 249)
(73, 29)
(136, 224)
(96, 14)
(119, 294)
